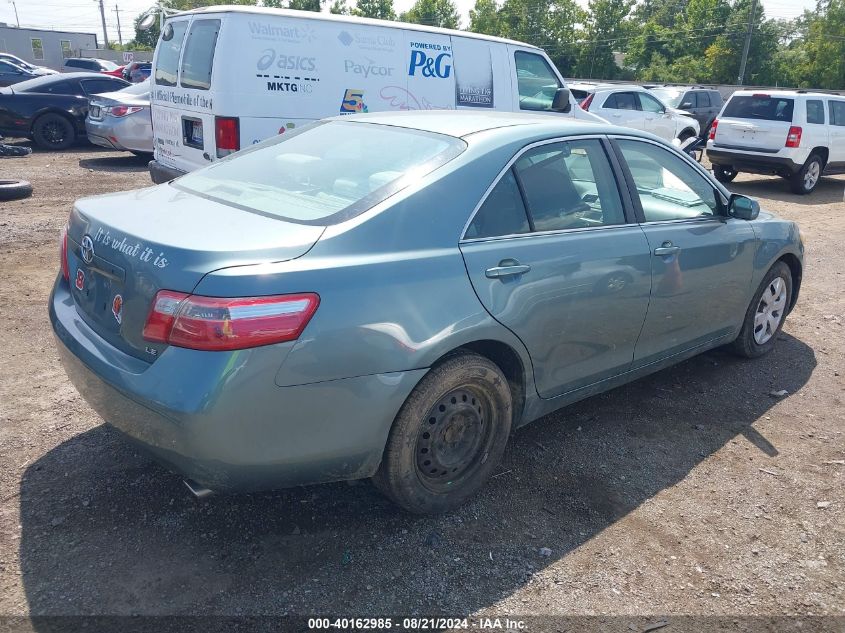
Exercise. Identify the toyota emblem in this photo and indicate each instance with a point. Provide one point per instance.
(87, 249)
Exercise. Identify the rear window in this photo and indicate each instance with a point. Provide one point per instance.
(199, 54)
(169, 47)
(760, 107)
(323, 173)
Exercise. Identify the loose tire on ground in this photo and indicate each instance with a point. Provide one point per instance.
(724, 174)
(15, 189)
(53, 131)
(448, 437)
(806, 179)
(768, 311)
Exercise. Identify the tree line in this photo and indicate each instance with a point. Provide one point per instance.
(671, 41)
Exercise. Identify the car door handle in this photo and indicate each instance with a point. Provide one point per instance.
(507, 268)
(666, 249)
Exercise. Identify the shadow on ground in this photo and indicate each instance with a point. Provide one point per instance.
(828, 191)
(123, 162)
(105, 531)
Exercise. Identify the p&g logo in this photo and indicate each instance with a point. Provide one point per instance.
(437, 66)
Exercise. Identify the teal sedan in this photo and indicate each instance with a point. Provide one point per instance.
(389, 296)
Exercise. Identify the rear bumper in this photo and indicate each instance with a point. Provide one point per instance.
(130, 134)
(161, 173)
(754, 163)
(219, 418)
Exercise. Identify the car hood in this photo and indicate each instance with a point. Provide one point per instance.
(679, 112)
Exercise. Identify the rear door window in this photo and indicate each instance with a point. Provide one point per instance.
(169, 48)
(762, 107)
(703, 100)
(815, 111)
(503, 212)
(199, 54)
(622, 101)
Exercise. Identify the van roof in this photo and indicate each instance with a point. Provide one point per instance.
(349, 19)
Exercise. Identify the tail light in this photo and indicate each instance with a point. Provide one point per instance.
(585, 104)
(122, 110)
(63, 255)
(713, 127)
(227, 134)
(220, 324)
(793, 138)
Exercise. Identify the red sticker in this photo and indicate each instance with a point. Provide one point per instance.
(80, 279)
(117, 308)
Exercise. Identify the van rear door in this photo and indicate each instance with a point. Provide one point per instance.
(755, 122)
(187, 134)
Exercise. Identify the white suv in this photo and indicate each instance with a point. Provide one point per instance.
(636, 107)
(794, 134)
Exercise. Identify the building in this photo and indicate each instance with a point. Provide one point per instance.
(44, 47)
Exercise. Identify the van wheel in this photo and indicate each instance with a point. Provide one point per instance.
(766, 314)
(53, 131)
(724, 174)
(808, 176)
(448, 436)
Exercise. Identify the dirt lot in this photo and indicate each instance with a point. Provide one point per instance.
(693, 491)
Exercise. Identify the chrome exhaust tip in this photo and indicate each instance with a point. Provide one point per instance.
(199, 491)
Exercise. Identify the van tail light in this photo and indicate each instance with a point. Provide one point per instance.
(222, 324)
(585, 104)
(713, 127)
(227, 134)
(122, 110)
(63, 254)
(793, 138)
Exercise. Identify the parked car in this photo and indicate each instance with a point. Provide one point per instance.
(92, 64)
(389, 294)
(137, 71)
(797, 135)
(51, 110)
(338, 65)
(703, 103)
(638, 108)
(35, 70)
(13, 74)
(121, 120)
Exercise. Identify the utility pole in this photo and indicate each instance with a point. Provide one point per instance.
(103, 18)
(119, 34)
(17, 19)
(747, 43)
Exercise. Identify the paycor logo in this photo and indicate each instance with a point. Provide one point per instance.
(366, 68)
(436, 64)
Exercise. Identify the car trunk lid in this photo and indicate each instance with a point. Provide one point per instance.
(124, 248)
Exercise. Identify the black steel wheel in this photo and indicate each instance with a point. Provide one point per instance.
(448, 436)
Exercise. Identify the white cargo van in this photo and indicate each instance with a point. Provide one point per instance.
(225, 78)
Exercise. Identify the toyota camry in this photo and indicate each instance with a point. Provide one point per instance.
(388, 296)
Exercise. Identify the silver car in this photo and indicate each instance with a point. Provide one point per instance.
(121, 119)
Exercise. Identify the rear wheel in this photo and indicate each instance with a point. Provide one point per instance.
(808, 176)
(724, 174)
(448, 437)
(765, 316)
(53, 131)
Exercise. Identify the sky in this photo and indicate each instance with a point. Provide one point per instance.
(84, 15)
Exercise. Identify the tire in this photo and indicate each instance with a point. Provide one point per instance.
(724, 174)
(806, 179)
(770, 294)
(15, 189)
(53, 131)
(448, 437)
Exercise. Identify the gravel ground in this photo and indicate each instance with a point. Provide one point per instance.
(693, 491)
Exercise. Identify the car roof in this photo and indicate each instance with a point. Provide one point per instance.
(463, 123)
(349, 19)
(783, 93)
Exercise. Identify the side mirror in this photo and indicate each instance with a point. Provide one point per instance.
(561, 101)
(685, 105)
(743, 207)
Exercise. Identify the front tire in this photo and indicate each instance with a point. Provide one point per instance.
(53, 131)
(448, 436)
(766, 314)
(808, 176)
(724, 174)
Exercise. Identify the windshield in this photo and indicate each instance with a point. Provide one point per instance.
(325, 173)
(672, 98)
(759, 107)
